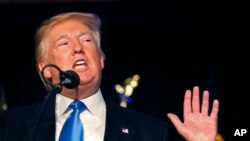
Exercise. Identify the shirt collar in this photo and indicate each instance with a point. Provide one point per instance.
(94, 103)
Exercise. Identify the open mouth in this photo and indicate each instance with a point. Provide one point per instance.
(80, 64)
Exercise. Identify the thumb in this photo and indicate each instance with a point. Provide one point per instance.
(176, 122)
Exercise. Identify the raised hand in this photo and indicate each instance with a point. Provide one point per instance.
(198, 124)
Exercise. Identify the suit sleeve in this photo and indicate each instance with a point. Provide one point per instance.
(1, 126)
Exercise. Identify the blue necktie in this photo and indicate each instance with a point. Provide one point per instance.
(73, 129)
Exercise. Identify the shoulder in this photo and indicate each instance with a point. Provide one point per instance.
(147, 127)
(137, 117)
(17, 113)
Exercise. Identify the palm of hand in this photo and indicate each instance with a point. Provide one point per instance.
(198, 125)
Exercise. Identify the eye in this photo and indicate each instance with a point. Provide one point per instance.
(63, 43)
(86, 40)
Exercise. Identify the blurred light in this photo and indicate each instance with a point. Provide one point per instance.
(119, 88)
(134, 83)
(125, 92)
(136, 77)
(128, 90)
(219, 137)
(123, 104)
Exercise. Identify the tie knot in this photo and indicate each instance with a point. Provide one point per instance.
(78, 105)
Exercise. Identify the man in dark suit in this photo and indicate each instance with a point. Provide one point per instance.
(71, 41)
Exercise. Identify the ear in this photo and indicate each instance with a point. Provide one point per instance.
(102, 60)
(46, 73)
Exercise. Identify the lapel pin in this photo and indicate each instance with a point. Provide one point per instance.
(125, 130)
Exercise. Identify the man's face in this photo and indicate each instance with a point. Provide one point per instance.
(71, 46)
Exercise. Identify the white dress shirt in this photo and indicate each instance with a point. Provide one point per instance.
(93, 118)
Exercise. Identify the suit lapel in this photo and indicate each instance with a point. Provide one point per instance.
(117, 126)
(46, 129)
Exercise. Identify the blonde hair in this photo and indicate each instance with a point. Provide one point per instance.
(89, 19)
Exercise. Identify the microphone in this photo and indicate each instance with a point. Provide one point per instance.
(68, 79)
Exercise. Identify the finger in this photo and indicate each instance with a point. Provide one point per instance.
(196, 100)
(205, 103)
(176, 122)
(215, 109)
(187, 104)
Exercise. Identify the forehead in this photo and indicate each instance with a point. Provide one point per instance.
(68, 27)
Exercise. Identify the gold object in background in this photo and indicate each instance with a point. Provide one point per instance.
(219, 137)
(126, 90)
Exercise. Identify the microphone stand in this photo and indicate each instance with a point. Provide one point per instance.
(69, 79)
(56, 89)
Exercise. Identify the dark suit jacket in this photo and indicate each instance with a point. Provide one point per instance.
(122, 124)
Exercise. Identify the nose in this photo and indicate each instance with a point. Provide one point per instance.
(78, 47)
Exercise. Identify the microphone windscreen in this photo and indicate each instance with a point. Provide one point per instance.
(70, 79)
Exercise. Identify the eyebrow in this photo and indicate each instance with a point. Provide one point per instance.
(60, 37)
(65, 35)
(83, 33)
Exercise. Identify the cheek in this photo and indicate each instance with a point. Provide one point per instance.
(64, 62)
(58, 57)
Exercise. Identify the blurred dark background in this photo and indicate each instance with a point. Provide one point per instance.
(172, 45)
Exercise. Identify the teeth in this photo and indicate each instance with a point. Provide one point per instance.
(79, 67)
(80, 62)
